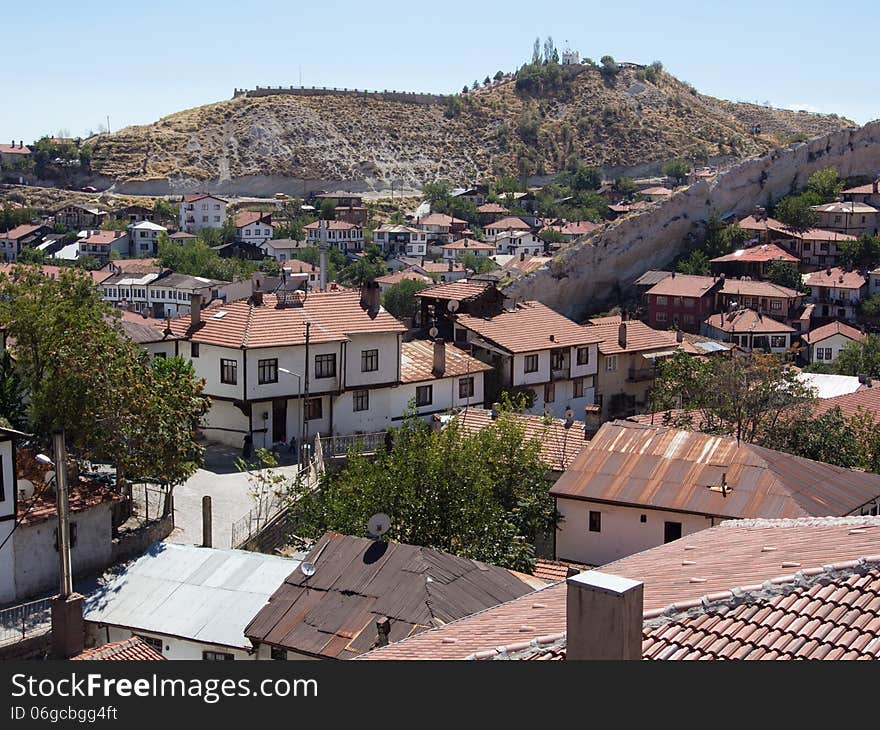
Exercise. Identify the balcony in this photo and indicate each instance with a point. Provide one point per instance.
(560, 374)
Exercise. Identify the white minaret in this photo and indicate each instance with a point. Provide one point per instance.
(323, 247)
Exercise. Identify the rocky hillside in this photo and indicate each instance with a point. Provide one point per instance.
(623, 121)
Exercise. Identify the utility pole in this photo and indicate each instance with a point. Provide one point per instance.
(68, 627)
(304, 449)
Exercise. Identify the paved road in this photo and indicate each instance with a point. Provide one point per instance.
(230, 493)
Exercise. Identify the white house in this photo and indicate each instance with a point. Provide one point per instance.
(29, 563)
(637, 486)
(339, 234)
(274, 380)
(201, 210)
(750, 330)
(282, 249)
(13, 240)
(398, 240)
(187, 602)
(533, 346)
(160, 293)
(515, 243)
(253, 227)
(504, 226)
(836, 292)
(99, 244)
(825, 343)
(144, 237)
(456, 250)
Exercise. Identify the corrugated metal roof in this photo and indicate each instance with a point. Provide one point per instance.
(195, 593)
(333, 612)
(665, 468)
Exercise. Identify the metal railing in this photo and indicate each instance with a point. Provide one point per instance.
(17, 623)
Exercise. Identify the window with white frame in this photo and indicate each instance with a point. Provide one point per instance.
(610, 363)
(361, 400)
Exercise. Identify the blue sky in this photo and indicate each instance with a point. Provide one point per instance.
(75, 64)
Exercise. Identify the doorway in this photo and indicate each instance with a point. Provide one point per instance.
(279, 420)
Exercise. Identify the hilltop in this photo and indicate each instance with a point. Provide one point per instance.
(623, 121)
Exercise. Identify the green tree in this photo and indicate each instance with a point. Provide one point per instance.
(625, 186)
(139, 417)
(164, 209)
(742, 396)
(436, 193)
(328, 210)
(678, 170)
(830, 437)
(32, 256)
(786, 274)
(482, 496)
(366, 269)
(864, 252)
(795, 213)
(12, 406)
(609, 67)
(825, 184)
(498, 75)
(696, 264)
(400, 299)
(860, 357)
(870, 307)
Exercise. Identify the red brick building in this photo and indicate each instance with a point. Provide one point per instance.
(683, 301)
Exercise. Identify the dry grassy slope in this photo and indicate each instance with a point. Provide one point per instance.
(340, 137)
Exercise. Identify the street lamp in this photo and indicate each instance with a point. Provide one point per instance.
(300, 398)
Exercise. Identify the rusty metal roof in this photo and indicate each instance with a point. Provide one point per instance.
(333, 612)
(666, 468)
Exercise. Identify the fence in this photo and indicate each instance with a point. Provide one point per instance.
(268, 506)
(18, 623)
(367, 443)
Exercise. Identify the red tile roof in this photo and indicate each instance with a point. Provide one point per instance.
(440, 267)
(417, 362)
(639, 337)
(133, 649)
(465, 244)
(249, 217)
(830, 329)
(296, 266)
(758, 254)
(133, 266)
(746, 321)
(756, 288)
(53, 272)
(817, 612)
(866, 400)
(334, 316)
(439, 219)
(456, 290)
(492, 208)
(738, 552)
(13, 149)
(560, 445)
(82, 495)
(666, 468)
(103, 238)
(402, 275)
(837, 278)
(685, 285)
(193, 197)
(530, 327)
(811, 234)
(862, 189)
(331, 226)
(21, 231)
(508, 223)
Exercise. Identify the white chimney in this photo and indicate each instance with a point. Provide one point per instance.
(603, 617)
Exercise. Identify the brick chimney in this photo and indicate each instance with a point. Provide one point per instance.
(603, 617)
(195, 310)
(370, 297)
(621, 334)
(383, 629)
(439, 357)
(592, 421)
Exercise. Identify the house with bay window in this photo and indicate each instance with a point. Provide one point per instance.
(287, 366)
(531, 346)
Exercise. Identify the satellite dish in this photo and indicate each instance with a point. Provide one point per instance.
(548, 412)
(433, 331)
(25, 488)
(48, 476)
(452, 306)
(308, 569)
(378, 525)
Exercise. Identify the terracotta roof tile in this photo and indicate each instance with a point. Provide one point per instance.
(837, 278)
(685, 285)
(639, 336)
(330, 226)
(830, 329)
(866, 400)
(727, 555)
(21, 231)
(403, 275)
(531, 326)
(456, 290)
(559, 445)
(249, 217)
(504, 224)
(417, 362)
(745, 321)
(756, 288)
(761, 253)
(468, 244)
(439, 219)
(133, 649)
(334, 316)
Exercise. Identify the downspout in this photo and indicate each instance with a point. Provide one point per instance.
(244, 398)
